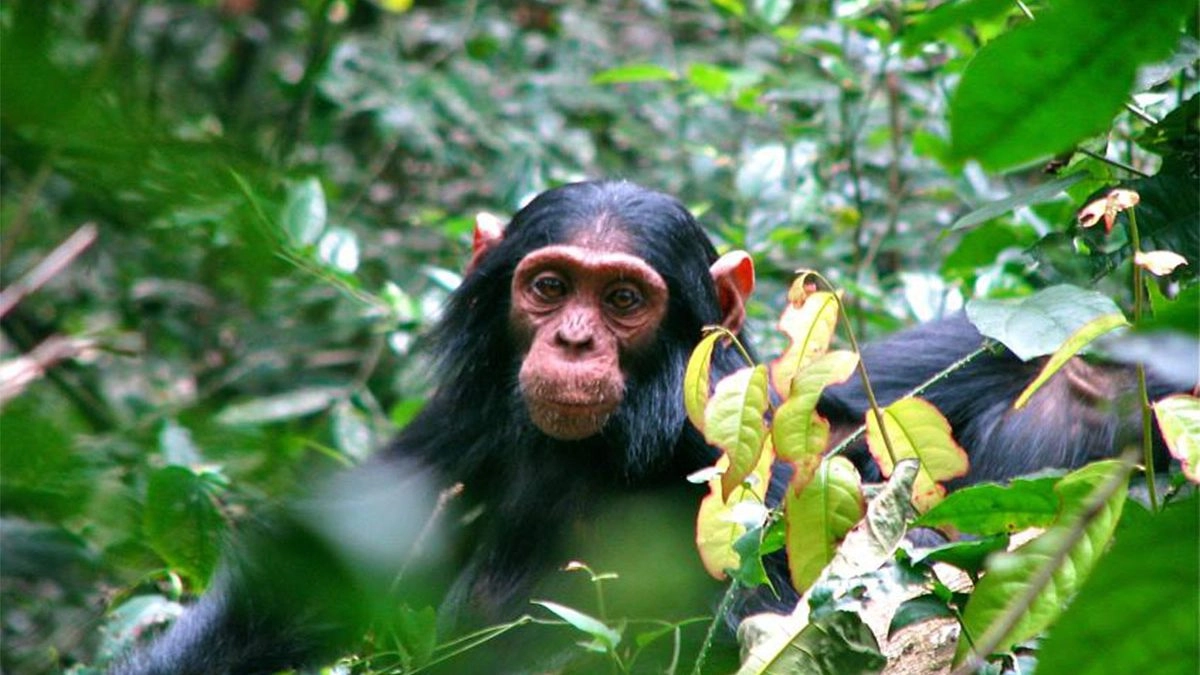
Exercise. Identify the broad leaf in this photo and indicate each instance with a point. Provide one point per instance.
(819, 514)
(1050, 83)
(1009, 575)
(1142, 604)
(808, 321)
(917, 429)
(696, 382)
(1077, 341)
(1039, 324)
(1179, 420)
(987, 509)
(718, 525)
(733, 422)
(798, 430)
(181, 521)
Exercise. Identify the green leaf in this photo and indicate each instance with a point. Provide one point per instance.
(809, 324)
(772, 12)
(1035, 195)
(280, 407)
(1048, 84)
(635, 72)
(916, 610)
(1142, 604)
(709, 79)
(1041, 323)
(733, 422)
(590, 625)
(1179, 420)
(931, 24)
(304, 212)
(797, 429)
(338, 249)
(1010, 575)
(988, 509)
(181, 522)
(918, 430)
(1077, 341)
(966, 555)
(696, 379)
(819, 515)
(835, 644)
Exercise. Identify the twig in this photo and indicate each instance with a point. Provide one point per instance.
(18, 373)
(48, 268)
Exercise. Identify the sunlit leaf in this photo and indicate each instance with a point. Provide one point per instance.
(1077, 341)
(733, 422)
(717, 529)
(1179, 420)
(696, 379)
(917, 429)
(809, 321)
(338, 248)
(304, 212)
(819, 514)
(636, 72)
(797, 428)
(1158, 263)
(590, 625)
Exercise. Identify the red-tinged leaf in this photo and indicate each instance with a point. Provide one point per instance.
(1078, 340)
(733, 421)
(1106, 208)
(716, 527)
(917, 429)
(797, 428)
(808, 321)
(696, 379)
(1179, 420)
(819, 514)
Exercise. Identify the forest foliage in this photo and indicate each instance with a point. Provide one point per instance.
(228, 224)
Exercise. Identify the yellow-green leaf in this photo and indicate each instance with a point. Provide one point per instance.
(716, 528)
(696, 379)
(797, 429)
(819, 514)
(733, 421)
(808, 321)
(1078, 340)
(1179, 420)
(917, 429)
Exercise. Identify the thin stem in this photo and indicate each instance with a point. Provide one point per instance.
(718, 617)
(1143, 396)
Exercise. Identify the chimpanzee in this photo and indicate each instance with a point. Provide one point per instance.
(561, 361)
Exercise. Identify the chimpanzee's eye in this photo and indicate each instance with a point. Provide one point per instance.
(549, 286)
(624, 299)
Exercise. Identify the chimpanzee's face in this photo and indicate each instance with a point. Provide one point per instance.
(576, 311)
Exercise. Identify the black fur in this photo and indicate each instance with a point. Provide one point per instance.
(525, 490)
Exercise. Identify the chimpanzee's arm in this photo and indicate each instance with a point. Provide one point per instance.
(1085, 412)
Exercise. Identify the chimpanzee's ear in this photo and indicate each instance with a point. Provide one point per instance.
(733, 275)
(489, 230)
